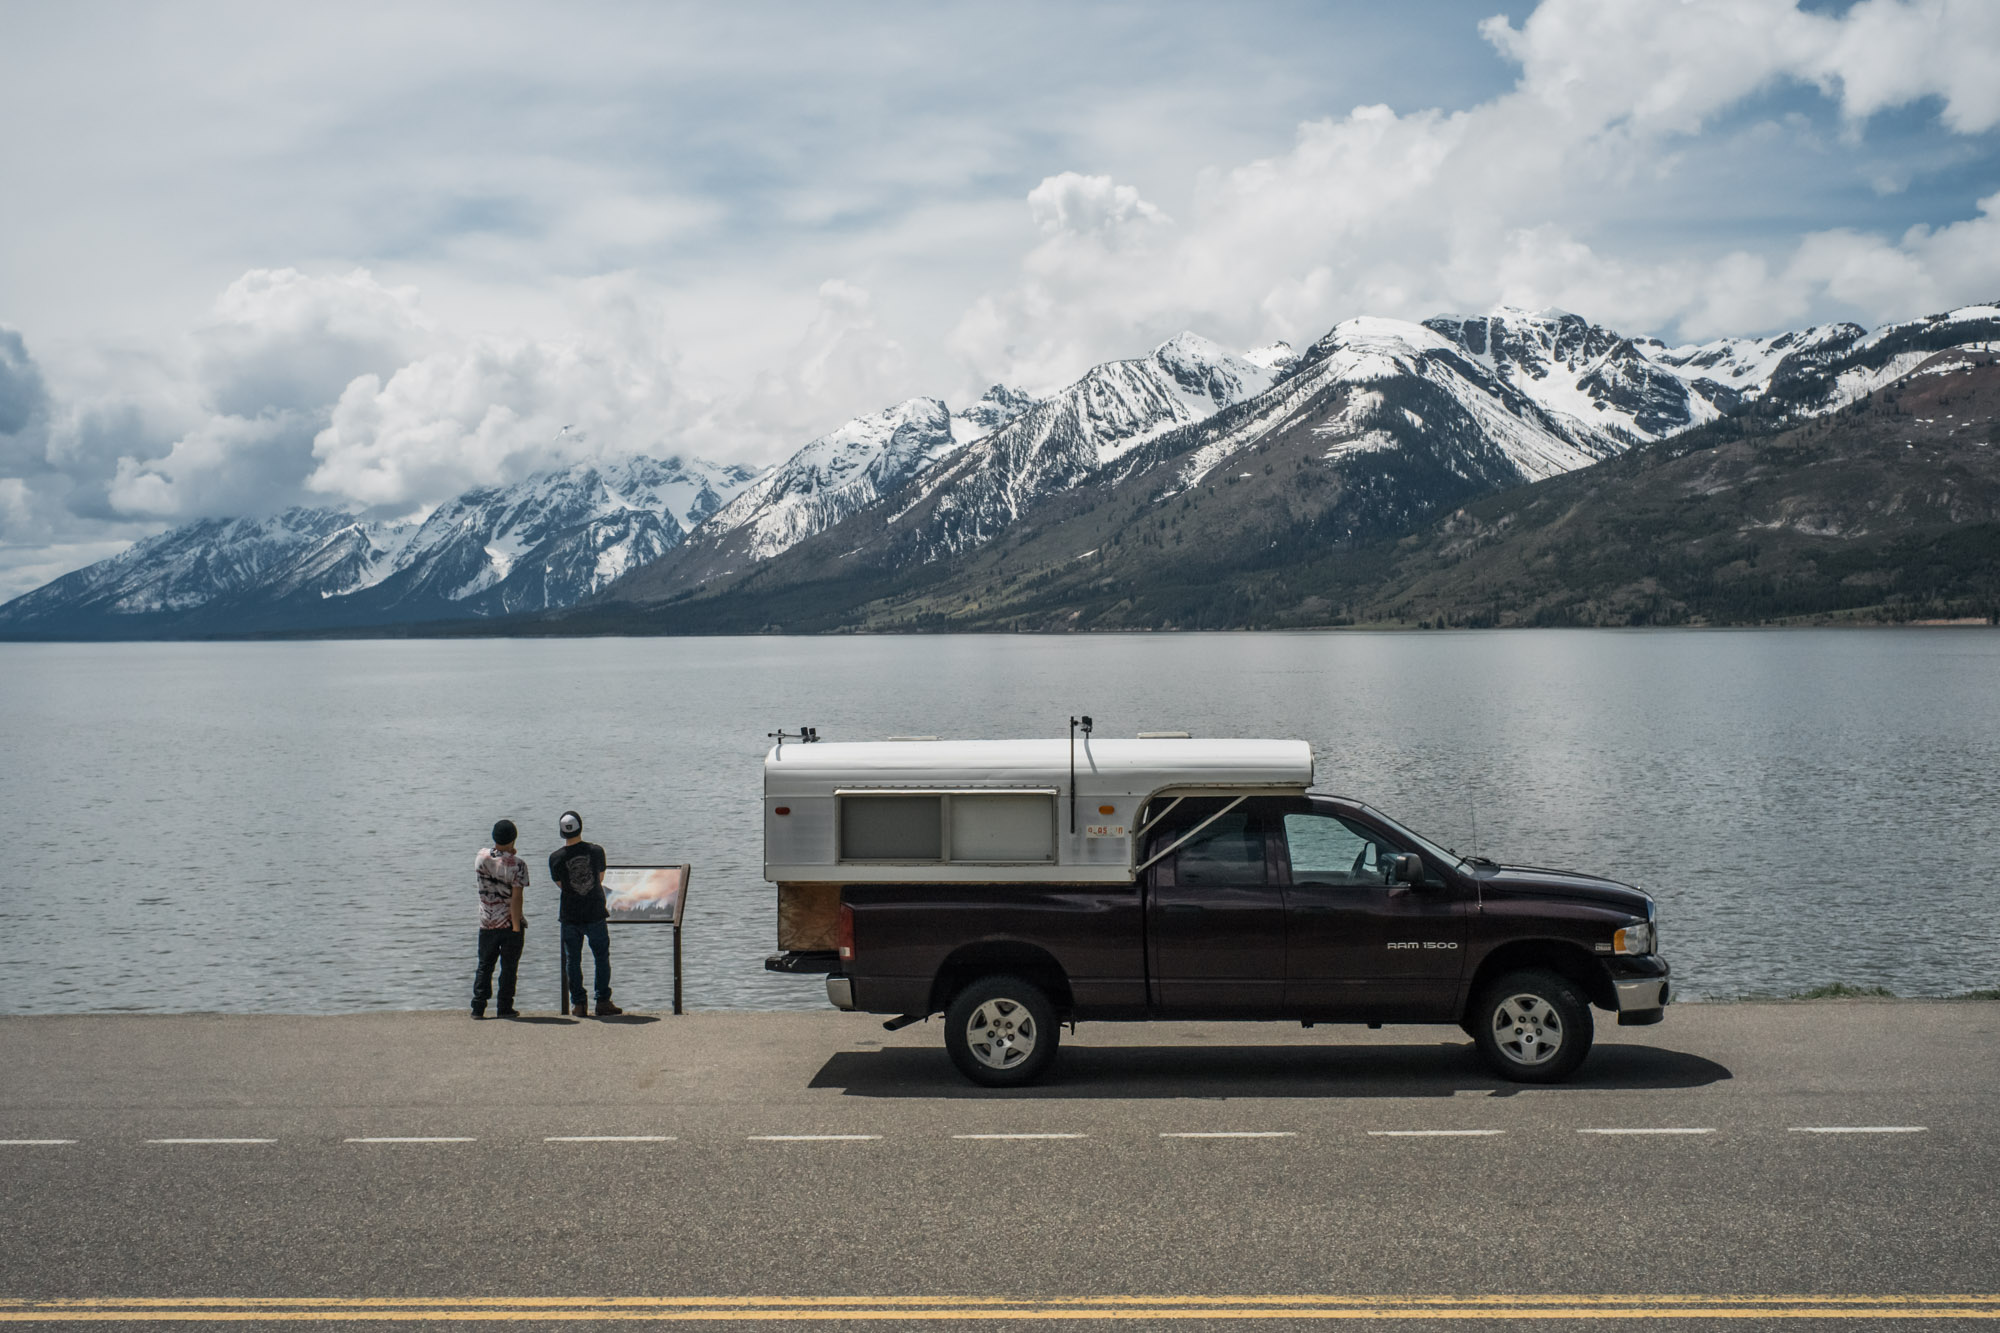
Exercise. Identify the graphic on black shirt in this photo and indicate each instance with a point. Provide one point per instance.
(576, 869)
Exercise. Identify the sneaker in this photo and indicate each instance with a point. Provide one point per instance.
(479, 1011)
(605, 1009)
(506, 1013)
(579, 1011)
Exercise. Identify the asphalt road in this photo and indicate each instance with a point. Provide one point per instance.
(769, 1169)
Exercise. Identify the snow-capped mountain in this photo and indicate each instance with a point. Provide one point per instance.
(1374, 428)
(1066, 438)
(546, 542)
(553, 539)
(834, 476)
(998, 407)
(319, 551)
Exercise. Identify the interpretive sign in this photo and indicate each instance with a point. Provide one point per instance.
(641, 896)
(645, 893)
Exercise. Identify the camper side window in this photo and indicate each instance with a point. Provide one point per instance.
(1003, 828)
(977, 828)
(891, 828)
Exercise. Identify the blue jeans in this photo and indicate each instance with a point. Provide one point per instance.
(574, 933)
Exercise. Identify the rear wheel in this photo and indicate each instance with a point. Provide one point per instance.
(1001, 1032)
(1532, 1027)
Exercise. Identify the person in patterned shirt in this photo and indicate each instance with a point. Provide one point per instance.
(503, 887)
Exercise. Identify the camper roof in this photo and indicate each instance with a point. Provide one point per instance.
(1125, 765)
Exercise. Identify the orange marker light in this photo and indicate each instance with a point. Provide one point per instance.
(1107, 809)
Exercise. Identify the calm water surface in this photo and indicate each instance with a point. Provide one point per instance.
(290, 826)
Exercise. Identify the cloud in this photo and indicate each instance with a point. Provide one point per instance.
(282, 341)
(1522, 199)
(279, 349)
(23, 396)
(490, 409)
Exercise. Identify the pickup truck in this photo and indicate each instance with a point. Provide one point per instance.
(1237, 894)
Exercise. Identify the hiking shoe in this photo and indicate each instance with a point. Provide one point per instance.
(579, 1011)
(605, 1009)
(506, 1013)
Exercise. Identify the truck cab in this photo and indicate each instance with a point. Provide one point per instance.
(1237, 892)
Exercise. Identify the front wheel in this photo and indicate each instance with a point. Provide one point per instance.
(1532, 1027)
(1001, 1032)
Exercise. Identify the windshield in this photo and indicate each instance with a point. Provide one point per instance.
(1444, 854)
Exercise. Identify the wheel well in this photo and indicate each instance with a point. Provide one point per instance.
(1566, 960)
(996, 958)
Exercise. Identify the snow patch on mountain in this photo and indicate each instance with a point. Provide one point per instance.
(842, 472)
(1064, 440)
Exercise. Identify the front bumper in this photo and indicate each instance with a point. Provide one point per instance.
(1641, 993)
(1641, 990)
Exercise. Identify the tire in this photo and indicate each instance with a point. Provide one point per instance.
(1001, 1032)
(1531, 1027)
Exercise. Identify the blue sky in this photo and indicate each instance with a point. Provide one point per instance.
(366, 256)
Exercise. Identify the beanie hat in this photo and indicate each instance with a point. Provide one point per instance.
(504, 832)
(570, 824)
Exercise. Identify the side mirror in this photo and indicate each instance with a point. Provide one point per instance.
(1406, 868)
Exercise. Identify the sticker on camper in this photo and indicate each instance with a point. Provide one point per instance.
(1103, 830)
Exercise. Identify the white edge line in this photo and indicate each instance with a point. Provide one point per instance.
(211, 1140)
(1232, 1134)
(1857, 1129)
(1646, 1131)
(811, 1138)
(610, 1138)
(1020, 1136)
(1434, 1133)
(413, 1139)
(33, 1143)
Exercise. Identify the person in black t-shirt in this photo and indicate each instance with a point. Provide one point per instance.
(577, 867)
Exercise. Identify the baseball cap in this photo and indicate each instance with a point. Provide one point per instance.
(570, 824)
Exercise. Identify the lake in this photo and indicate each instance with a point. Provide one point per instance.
(290, 826)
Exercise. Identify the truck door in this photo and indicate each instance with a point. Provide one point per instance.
(1361, 947)
(1216, 917)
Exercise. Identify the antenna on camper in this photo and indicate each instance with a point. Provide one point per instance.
(804, 736)
(1075, 722)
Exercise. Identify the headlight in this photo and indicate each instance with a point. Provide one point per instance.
(1633, 939)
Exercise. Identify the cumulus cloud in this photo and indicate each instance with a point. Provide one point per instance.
(283, 341)
(23, 395)
(487, 411)
(278, 350)
(1415, 213)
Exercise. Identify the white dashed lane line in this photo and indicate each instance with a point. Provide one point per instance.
(1232, 1134)
(1858, 1129)
(1435, 1133)
(412, 1139)
(34, 1143)
(1020, 1136)
(1645, 1131)
(211, 1141)
(812, 1138)
(610, 1138)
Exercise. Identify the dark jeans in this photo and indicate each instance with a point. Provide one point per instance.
(504, 946)
(574, 933)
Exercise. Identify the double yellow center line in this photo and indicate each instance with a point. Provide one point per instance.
(913, 1309)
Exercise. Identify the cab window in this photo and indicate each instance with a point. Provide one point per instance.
(1228, 853)
(1326, 849)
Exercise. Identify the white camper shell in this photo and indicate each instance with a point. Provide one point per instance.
(936, 812)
